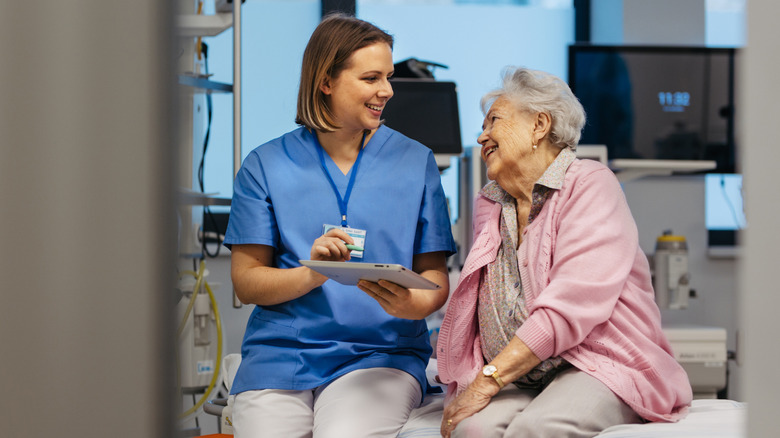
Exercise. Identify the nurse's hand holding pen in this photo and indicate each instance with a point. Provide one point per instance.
(332, 246)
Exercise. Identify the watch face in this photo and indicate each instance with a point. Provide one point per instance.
(488, 370)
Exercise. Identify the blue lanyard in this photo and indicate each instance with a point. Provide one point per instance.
(342, 201)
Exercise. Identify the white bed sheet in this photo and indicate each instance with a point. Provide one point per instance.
(706, 419)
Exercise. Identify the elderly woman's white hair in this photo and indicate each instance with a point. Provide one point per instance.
(537, 91)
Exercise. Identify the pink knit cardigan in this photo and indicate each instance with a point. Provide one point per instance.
(589, 294)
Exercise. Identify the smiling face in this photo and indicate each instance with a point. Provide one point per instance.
(507, 140)
(357, 96)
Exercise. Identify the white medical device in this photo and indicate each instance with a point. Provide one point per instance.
(197, 349)
(671, 279)
(702, 353)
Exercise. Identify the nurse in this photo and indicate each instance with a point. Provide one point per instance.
(319, 358)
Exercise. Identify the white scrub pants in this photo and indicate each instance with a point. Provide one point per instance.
(573, 405)
(373, 402)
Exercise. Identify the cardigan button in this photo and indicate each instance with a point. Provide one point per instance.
(525, 262)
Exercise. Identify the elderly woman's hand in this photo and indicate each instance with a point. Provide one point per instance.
(474, 399)
(515, 360)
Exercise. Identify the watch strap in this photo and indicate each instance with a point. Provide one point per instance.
(498, 380)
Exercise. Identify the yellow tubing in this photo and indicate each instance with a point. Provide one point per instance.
(198, 280)
(218, 320)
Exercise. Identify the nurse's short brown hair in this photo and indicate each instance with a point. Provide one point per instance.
(331, 44)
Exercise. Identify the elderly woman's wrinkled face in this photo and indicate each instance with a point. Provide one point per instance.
(506, 139)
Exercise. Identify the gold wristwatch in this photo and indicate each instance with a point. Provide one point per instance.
(490, 370)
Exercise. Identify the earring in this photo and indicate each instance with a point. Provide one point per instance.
(535, 146)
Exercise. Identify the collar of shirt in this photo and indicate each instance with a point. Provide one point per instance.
(554, 175)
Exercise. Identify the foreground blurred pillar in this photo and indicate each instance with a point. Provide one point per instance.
(86, 226)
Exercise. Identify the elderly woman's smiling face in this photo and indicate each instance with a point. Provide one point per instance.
(507, 141)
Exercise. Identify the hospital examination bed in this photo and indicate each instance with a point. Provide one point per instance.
(707, 418)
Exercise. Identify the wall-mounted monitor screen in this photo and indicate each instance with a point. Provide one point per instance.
(661, 103)
(724, 214)
(427, 111)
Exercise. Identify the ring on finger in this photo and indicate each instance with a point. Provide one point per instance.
(449, 422)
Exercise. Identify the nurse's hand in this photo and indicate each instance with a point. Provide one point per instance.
(332, 246)
(396, 300)
(413, 303)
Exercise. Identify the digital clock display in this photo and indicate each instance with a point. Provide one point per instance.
(674, 102)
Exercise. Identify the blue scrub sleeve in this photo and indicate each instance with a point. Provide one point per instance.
(252, 219)
(434, 229)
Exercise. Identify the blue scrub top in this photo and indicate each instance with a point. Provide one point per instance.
(282, 198)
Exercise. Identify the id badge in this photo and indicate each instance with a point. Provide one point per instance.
(358, 235)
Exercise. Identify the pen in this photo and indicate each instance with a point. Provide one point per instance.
(354, 248)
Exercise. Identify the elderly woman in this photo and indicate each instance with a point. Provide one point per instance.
(552, 330)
